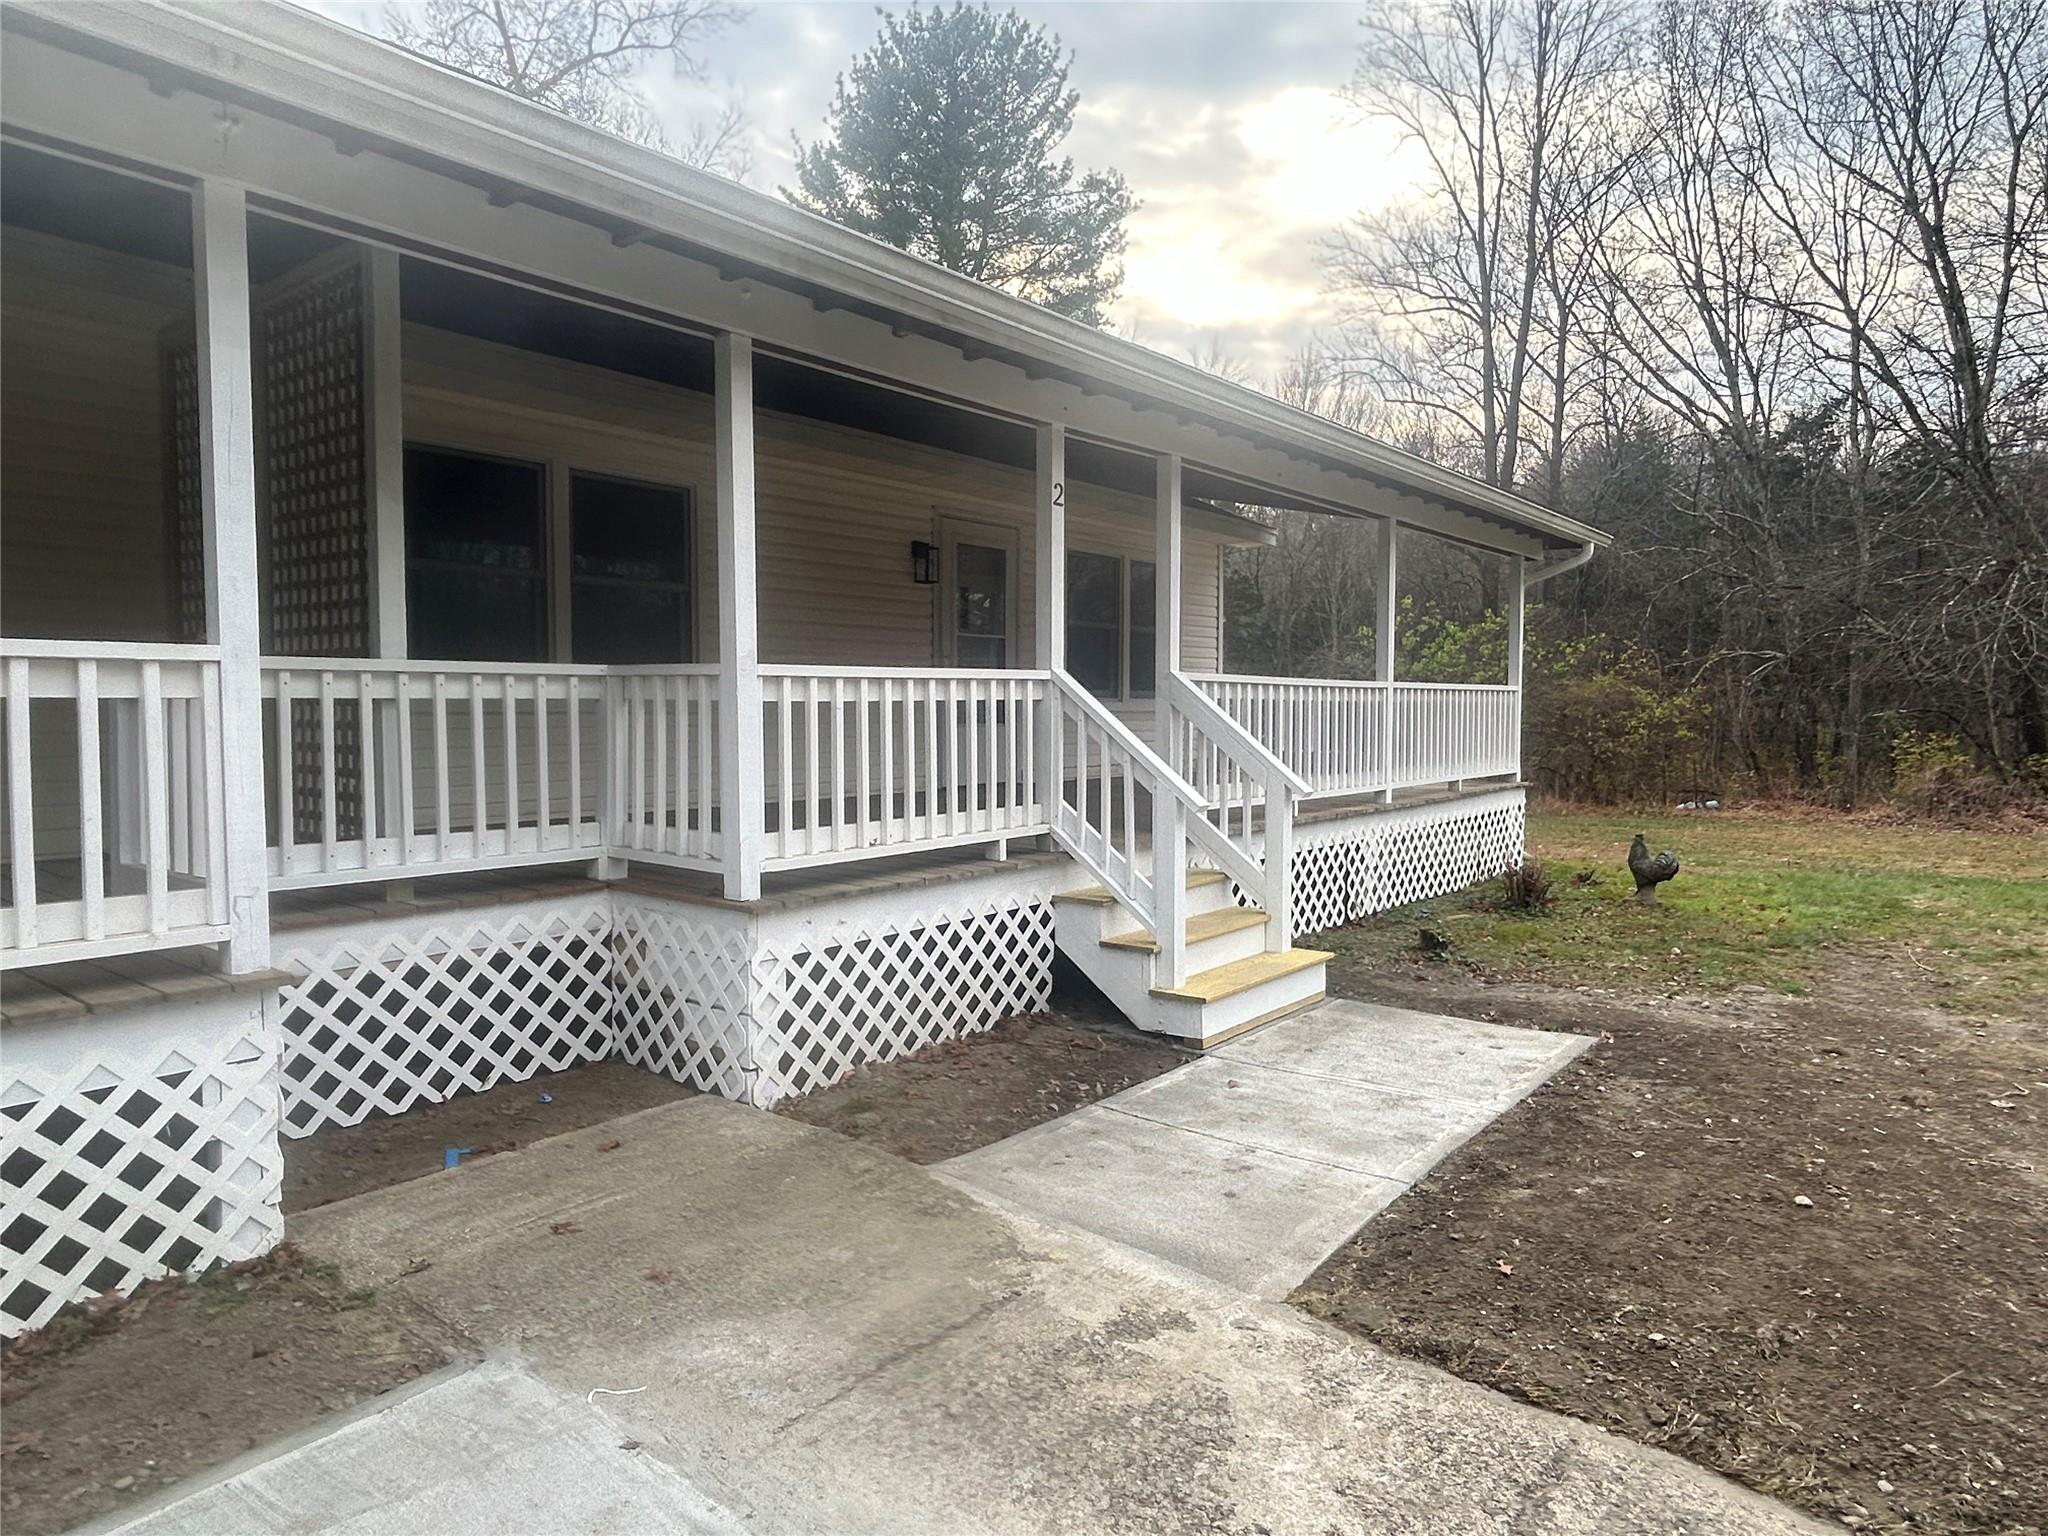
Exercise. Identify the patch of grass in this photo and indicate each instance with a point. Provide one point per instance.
(1759, 900)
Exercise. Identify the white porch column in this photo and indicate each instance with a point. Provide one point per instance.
(1383, 648)
(227, 475)
(1050, 616)
(1167, 590)
(742, 771)
(1518, 596)
(386, 435)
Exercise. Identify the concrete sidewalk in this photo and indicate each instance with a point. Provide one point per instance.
(831, 1340)
(1254, 1164)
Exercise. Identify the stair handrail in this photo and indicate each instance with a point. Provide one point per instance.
(1187, 705)
(1160, 902)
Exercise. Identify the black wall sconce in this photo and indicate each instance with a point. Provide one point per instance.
(924, 563)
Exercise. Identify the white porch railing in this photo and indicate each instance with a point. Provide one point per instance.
(383, 771)
(112, 832)
(1335, 734)
(663, 727)
(867, 760)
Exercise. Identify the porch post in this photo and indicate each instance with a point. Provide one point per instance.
(1050, 617)
(1167, 596)
(1383, 652)
(227, 477)
(741, 768)
(1518, 576)
(385, 419)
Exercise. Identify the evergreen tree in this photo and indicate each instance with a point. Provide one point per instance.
(943, 141)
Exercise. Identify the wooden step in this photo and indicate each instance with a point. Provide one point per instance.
(1214, 985)
(1210, 925)
(1100, 896)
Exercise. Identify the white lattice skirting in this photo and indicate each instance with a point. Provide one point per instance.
(155, 1151)
(1376, 861)
(760, 1008)
(389, 1015)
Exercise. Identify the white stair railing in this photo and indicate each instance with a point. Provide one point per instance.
(1128, 818)
(1237, 774)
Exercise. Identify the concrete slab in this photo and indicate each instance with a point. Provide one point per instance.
(455, 1458)
(845, 1343)
(1255, 1218)
(1370, 1098)
(1356, 1126)
(1493, 1064)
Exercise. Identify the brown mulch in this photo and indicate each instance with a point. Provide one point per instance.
(119, 1400)
(951, 1098)
(1803, 1242)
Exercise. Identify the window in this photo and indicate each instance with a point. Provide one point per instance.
(1144, 627)
(981, 605)
(629, 572)
(476, 573)
(1095, 622)
(1112, 624)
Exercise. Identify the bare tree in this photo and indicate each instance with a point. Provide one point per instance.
(579, 57)
(1456, 292)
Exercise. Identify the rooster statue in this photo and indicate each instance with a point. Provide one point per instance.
(1651, 870)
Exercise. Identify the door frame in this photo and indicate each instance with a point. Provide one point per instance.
(953, 532)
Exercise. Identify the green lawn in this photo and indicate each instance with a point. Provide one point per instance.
(1766, 899)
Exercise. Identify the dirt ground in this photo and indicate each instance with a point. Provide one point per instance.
(109, 1407)
(340, 1161)
(1802, 1241)
(964, 1094)
(120, 1400)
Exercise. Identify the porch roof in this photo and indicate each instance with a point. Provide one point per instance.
(794, 280)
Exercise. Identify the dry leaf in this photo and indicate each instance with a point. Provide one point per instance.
(1504, 1266)
(661, 1274)
(563, 1228)
(610, 1146)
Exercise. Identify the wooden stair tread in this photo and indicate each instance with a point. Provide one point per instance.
(1210, 925)
(1219, 982)
(1101, 896)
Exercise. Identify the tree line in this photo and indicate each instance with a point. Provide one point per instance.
(1760, 289)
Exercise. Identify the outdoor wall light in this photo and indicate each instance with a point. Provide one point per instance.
(924, 563)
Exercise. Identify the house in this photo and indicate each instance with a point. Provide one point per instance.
(481, 596)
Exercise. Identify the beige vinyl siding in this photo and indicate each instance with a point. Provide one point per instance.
(837, 509)
(84, 540)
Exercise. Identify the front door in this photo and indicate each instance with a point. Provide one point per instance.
(977, 594)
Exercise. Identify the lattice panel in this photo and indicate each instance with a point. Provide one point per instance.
(185, 495)
(115, 1174)
(1388, 859)
(683, 987)
(874, 995)
(311, 384)
(377, 1025)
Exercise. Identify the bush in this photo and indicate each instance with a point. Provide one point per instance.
(1526, 888)
(1936, 775)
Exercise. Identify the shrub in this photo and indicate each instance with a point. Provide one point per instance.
(1526, 887)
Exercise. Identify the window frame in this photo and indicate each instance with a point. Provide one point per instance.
(687, 586)
(561, 456)
(541, 574)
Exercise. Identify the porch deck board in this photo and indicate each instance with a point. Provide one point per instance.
(76, 989)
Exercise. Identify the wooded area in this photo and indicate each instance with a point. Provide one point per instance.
(1762, 291)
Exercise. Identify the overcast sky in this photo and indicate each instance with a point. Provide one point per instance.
(1223, 116)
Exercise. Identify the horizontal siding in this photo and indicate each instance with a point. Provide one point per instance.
(84, 546)
(836, 509)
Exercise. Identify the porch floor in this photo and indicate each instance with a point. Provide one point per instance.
(75, 989)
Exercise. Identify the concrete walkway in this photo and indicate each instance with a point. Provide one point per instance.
(827, 1339)
(1254, 1164)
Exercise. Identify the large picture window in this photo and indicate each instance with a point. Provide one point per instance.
(1112, 624)
(475, 557)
